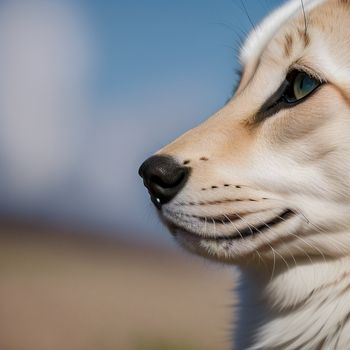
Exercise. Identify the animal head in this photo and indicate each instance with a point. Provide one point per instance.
(268, 176)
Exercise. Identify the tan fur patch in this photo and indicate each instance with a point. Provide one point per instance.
(288, 45)
(304, 36)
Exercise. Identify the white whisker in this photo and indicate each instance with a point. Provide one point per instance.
(274, 252)
(305, 242)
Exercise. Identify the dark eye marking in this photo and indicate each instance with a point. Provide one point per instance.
(296, 88)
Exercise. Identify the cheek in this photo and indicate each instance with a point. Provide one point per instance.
(334, 164)
(307, 147)
(326, 107)
(311, 131)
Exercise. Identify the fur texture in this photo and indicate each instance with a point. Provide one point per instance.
(285, 177)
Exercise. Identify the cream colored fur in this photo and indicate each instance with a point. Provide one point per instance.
(295, 289)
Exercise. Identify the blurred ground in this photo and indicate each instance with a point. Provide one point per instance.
(60, 291)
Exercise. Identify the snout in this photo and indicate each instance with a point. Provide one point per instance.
(164, 178)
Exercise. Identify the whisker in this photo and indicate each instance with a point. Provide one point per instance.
(304, 252)
(247, 14)
(269, 227)
(274, 252)
(235, 227)
(239, 232)
(317, 228)
(305, 242)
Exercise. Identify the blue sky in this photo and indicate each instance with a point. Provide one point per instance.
(149, 42)
(96, 87)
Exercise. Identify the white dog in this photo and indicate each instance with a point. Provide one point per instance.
(265, 183)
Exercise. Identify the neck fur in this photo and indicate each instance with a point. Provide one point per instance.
(305, 306)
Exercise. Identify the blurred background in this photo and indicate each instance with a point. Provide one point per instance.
(88, 90)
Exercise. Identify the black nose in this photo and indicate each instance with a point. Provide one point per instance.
(163, 177)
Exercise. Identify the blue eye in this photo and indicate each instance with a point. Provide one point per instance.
(303, 85)
(300, 85)
(296, 87)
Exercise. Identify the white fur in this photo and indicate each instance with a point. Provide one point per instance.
(262, 34)
(295, 289)
(281, 323)
(304, 327)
